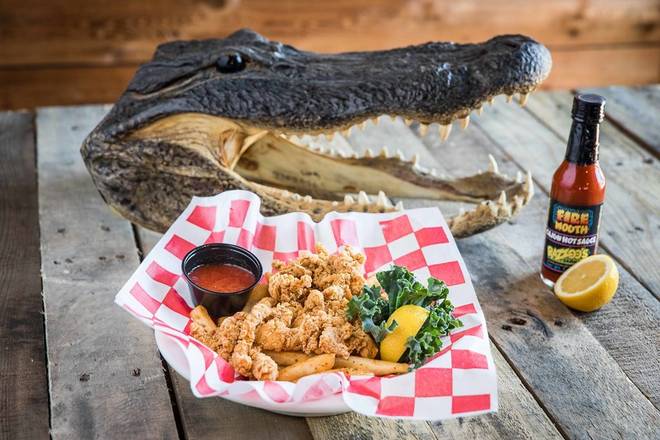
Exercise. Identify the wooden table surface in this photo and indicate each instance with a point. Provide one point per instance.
(74, 365)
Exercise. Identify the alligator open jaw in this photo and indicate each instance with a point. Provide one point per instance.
(303, 175)
(207, 116)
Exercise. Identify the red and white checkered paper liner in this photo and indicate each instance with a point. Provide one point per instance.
(458, 381)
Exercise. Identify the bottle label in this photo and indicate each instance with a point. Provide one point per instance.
(571, 235)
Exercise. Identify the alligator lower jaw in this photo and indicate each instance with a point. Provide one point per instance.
(292, 176)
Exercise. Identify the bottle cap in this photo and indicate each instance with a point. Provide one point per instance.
(588, 107)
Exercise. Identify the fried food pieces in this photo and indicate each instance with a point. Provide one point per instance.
(304, 311)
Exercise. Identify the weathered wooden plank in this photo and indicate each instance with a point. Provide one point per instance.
(36, 32)
(106, 378)
(37, 87)
(632, 343)
(635, 110)
(560, 361)
(208, 418)
(23, 384)
(583, 389)
(601, 66)
(631, 218)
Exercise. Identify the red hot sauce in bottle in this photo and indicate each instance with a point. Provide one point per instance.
(577, 195)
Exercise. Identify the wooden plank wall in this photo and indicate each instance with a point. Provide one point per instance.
(73, 51)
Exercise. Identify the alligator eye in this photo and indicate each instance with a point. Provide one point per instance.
(230, 63)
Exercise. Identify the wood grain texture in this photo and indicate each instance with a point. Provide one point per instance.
(213, 417)
(106, 378)
(35, 32)
(591, 67)
(632, 173)
(635, 110)
(28, 88)
(636, 338)
(23, 384)
(553, 351)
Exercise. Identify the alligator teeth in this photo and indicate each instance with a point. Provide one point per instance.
(519, 177)
(384, 153)
(382, 200)
(502, 198)
(461, 211)
(321, 150)
(509, 98)
(376, 121)
(528, 186)
(480, 110)
(347, 132)
(363, 198)
(400, 155)
(335, 203)
(491, 100)
(296, 197)
(465, 122)
(522, 99)
(399, 206)
(492, 164)
(444, 131)
(368, 153)
(307, 199)
(407, 121)
(415, 160)
(423, 129)
(363, 124)
(322, 137)
(433, 172)
(332, 152)
(348, 199)
(517, 203)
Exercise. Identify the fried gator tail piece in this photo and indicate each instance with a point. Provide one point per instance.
(208, 116)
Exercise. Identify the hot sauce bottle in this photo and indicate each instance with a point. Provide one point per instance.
(577, 195)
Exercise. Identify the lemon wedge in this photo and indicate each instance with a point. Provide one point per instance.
(410, 319)
(589, 284)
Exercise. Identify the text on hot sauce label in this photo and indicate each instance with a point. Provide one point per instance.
(571, 235)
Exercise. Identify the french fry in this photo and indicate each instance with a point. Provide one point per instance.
(350, 371)
(259, 292)
(286, 358)
(201, 317)
(313, 365)
(377, 367)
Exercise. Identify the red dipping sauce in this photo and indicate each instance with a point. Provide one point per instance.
(221, 278)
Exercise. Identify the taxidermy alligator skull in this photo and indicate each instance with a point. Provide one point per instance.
(207, 116)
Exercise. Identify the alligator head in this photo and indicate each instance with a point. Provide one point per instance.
(207, 116)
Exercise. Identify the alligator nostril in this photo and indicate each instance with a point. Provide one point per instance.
(512, 44)
(283, 67)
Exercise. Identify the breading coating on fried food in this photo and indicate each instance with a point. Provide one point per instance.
(305, 311)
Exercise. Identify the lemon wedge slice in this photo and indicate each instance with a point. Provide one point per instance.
(589, 284)
(410, 318)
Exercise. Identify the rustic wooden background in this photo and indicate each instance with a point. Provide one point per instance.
(85, 51)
